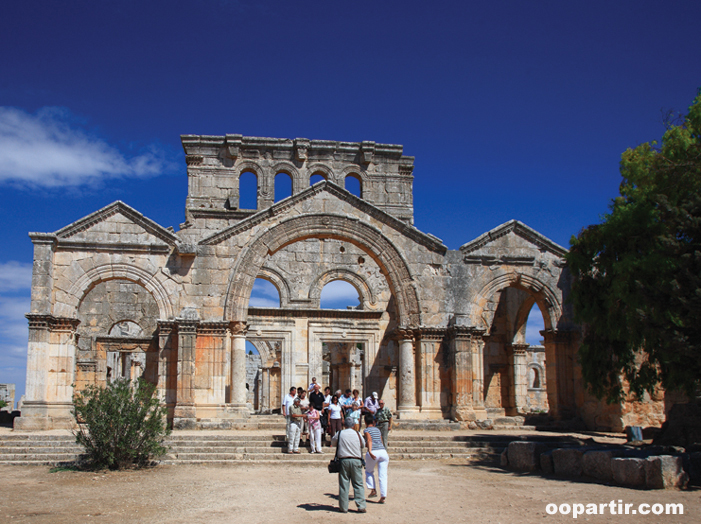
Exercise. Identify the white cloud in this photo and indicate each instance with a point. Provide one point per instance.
(50, 149)
(15, 276)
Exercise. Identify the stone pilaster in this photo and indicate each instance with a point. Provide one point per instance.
(50, 374)
(184, 415)
(467, 345)
(42, 273)
(560, 358)
(406, 404)
(429, 341)
(167, 363)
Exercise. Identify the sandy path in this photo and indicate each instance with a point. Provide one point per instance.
(419, 493)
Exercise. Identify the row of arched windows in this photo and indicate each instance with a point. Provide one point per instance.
(248, 187)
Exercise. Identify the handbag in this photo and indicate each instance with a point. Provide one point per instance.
(335, 464)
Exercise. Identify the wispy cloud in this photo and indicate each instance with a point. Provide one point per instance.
(338, 295)
(15, 276)
(51, 148)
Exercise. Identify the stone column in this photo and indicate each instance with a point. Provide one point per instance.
(429, 345)
(238, 367)
(42, 273)
(520, 373)
(560, 357)
(406, 405)
(50, 374)
(264, 404)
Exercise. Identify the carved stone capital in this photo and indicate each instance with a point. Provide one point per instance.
(238, 328)
(466, 333)
(558, 336)
(403, 333)
(520, 349)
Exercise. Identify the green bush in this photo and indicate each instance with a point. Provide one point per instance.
(121, 425)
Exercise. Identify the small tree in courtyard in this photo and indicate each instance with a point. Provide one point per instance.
(120, 425)
(637, 275)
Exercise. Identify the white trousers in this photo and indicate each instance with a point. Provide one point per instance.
(315, 438)
(293, 433)
(381, 461)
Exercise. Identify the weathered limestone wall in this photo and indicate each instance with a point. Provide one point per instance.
(438, 333)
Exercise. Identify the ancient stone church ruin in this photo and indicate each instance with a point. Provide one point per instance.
(440, 334)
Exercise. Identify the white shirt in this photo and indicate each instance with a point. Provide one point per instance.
(335, 411)
(287, 402)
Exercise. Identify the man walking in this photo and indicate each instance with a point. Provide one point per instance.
(350, 451)
(383, 419)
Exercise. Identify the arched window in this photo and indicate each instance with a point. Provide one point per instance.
(339, 294)
(248, 190)
(264, 294)
(283, 186)
(534, 326)
(354, 185)
(316, 178)
(535, 383)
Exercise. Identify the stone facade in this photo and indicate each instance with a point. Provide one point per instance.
(438, 333)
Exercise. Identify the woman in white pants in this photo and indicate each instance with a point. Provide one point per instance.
(314, 429)
(376, 456)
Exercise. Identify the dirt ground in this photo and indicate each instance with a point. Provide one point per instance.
(419, 492)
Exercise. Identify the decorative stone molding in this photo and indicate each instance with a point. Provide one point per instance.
(52, 323)
(194, 160)
(238, 329)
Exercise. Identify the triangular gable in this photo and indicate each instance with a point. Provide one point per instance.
(408, 230)
(119, 213)
(528, 237)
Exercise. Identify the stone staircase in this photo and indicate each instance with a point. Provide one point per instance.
(244, 448)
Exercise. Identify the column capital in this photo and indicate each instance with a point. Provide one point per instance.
(403, 333)
(238, 328)
(520, 349)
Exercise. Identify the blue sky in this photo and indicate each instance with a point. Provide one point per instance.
(513, 109)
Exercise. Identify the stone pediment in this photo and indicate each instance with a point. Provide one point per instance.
(304, 201)
(511, 243)
(116, 224)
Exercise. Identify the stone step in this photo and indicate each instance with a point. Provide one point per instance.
(40, 449)
(281, 449)
(53, 457)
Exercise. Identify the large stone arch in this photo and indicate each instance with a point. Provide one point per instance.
(547, 299)
(372, 241)
(94, 276)
(368, 298)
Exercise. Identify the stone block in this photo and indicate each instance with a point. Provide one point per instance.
(629, 472)
(665, 472)
(597, 464)
(546, 463)
(567, 462)
(525, 456)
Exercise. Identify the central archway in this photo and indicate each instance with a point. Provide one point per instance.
(369, 239)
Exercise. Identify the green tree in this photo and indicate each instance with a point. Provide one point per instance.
(120, 425)
(637, 275)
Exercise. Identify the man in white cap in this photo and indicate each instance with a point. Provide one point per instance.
(371, 404)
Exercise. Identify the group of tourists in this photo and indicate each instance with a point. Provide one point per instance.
(313, 413)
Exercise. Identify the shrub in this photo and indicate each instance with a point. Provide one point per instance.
(120, 425)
